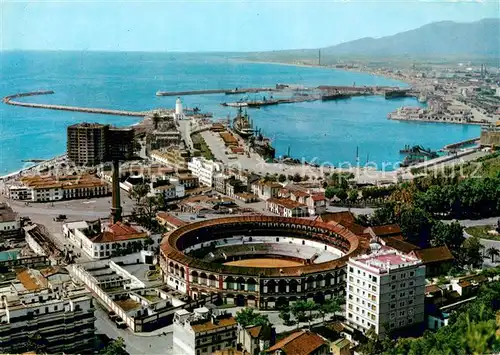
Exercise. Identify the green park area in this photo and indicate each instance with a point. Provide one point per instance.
(483, 232)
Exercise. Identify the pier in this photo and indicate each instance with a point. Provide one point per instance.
(461, 144)
(215, 91)
(9, 100)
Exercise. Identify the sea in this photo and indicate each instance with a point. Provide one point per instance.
(336, 132)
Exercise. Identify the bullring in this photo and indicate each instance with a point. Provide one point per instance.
(200, 258)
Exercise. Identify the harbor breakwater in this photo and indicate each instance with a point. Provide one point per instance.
(9, 101)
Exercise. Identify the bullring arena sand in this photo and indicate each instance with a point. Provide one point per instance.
(264, 262)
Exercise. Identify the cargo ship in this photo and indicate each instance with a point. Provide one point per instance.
(336, 96)
(394, 94)
(242, 124)
(262, 146)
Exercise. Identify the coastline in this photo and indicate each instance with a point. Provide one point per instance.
(20, 172)
(352, 70)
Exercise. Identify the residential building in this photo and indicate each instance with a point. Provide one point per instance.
(86, 143)
(265, 190)
(169, 221)
(169, 191)
(10, 223)
(44, 310)
(340, 346)
(105, 240)
(94, 143)
(220, 181)
(172, 156)
(286, 208)
(316, 204)
(189, 181)
(204, 169)
(255, 339)
(386, 287)
(384, 231)
(438, 260)
(56, 188)
(301, 342)
(202, 332)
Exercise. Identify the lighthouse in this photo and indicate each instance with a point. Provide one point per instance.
(178, 109)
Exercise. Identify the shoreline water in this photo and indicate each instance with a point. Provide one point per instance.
(353, 70)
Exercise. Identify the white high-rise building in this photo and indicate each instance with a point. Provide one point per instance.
(204, 169)
(385, 289)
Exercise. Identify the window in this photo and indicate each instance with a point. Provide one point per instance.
(393, 296)
(349, 306)
(402, 294)
(55, 308)
(410, 293)
(277, 239)
(303, 242)
(393, 287)
(401, 313)
(393, 306)
(350, 297)
(349, 315)
(412, 273)
(373, 317)
(351, 288)
(351, 278)
(392, 325)
(410, 320)
(411, 283)
(363, 302)
(374, 288)
(359, 272)
(374, 298)
(403, 275)
(410, 301)
(357, 309)
(374, 308)
(401, 304)
(351, 269)
(403, 284)
(393, 277)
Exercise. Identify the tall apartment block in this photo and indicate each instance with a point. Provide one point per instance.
(44, 311)
(385, 289)
(90, 144)
(87, 143)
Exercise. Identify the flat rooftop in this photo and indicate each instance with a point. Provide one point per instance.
(385, 259)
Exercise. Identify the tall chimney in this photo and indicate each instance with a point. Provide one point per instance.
(116, 208)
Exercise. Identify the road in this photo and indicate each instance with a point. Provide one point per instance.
(146, 343)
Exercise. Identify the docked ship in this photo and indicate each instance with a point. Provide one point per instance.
(242, 125)
(336, 96)
(262, 146)
(393, 94)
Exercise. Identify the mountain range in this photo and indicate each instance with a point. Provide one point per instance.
(438, 39)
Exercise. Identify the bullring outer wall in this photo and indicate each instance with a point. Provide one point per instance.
(265, 288)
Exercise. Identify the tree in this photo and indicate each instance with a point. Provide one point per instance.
(139, 192)
(469, 254)
(492, 252)
(282, 178)
(116, 347)
(286, 316)
(451, 235)
(247, 316)
(341, 194)
(330, 192)
(296, 177)
(332, 306)
(303, 310)
(156, 120)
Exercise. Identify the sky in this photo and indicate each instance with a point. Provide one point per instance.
(219, 25)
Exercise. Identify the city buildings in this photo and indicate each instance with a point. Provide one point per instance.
(90, 144)
(203, 332)
(302, 342)
(169, 191)
(45, 310)
(265, 189)
(56, 188)
(385, 289)
(10, 223)
(254, 339)
(172, 156)
(204, 169)
(286, 208)
(169, 221)
(105, 240)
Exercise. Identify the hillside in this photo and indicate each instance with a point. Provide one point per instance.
(436, 40)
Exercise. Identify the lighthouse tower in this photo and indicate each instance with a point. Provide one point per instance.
(178, 109)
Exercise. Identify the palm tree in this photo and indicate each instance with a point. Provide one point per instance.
(492, 252)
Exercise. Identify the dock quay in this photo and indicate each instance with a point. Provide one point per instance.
(461, 144)
(9, 100)
(215, 91)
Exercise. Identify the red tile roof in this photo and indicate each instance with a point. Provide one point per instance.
(285, 202)
(399, 244)
(433, 255)
(386, 230)
(344, 218)
(298, 343)
(318, 197)
(168, 218)
(119, 232)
